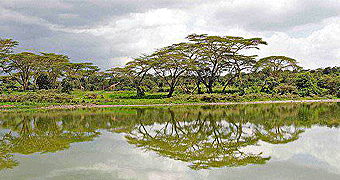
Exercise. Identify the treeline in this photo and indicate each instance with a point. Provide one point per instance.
(29, 71)
(203, 64)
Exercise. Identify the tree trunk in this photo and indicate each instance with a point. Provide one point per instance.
(25, 85)
(140, 91)
(171, 91)
(226, 84)
(198, 82)
(210, 87)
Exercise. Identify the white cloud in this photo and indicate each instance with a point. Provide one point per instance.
(321, 143)
(119, 61)
(141, 32)
(319, 49)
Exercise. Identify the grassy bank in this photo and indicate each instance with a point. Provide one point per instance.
(44, 98)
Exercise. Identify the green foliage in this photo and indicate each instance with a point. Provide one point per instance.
(44, 82)
(330, 82)
(203, 136)
(307, 85)
(66, 86)
(285, 89)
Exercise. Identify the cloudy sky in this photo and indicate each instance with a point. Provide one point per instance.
(111, 32)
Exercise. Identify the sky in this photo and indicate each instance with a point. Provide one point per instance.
(110, 33)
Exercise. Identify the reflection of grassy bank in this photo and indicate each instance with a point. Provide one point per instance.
(24, 100)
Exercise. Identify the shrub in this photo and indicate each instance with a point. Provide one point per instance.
(286, 88)
(91, 96)
(66, 86)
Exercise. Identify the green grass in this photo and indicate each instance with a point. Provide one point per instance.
(24, 100)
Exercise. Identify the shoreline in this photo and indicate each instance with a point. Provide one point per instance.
(4, 108)
(185, 104)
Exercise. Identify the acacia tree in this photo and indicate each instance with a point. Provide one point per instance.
(22, 67)
(190, 52)
(137, 70)
(6, 48)
(170, 63)
(79, 73)
(238, 64)
(218, 54)
(129, 76)
(51, 67)
(273, 65)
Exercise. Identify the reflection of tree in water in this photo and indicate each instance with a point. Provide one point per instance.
(203, 136)
(278, 133)
(204, 142)
(6, 160)
(34, 135)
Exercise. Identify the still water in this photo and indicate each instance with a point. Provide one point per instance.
(273, 141)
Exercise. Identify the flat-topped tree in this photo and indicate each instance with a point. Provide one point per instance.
(79, 73)
(190, 53)
(137, 70)
(119, 75)
(238, 64)
(170, 62)
(133, 73)
(276, 64)
(51, 67)
(77, 69)
(22, 67)
(218, 54)
(6, 48)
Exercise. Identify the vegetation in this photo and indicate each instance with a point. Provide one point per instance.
(203, 69)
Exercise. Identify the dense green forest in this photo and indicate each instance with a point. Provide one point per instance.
(218, 66)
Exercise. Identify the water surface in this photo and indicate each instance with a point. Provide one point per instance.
(273, 141)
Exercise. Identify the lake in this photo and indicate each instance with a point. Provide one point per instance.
(259, 141)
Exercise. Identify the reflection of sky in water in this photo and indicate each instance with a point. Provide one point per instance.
(315, 155)
(318, 147)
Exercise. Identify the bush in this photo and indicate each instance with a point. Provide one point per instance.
(91, 96)
(66, 86)
(285, 89)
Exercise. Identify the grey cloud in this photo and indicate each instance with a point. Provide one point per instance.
(263, 18)
(79, 47)
(88, 12)
(100, 31)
